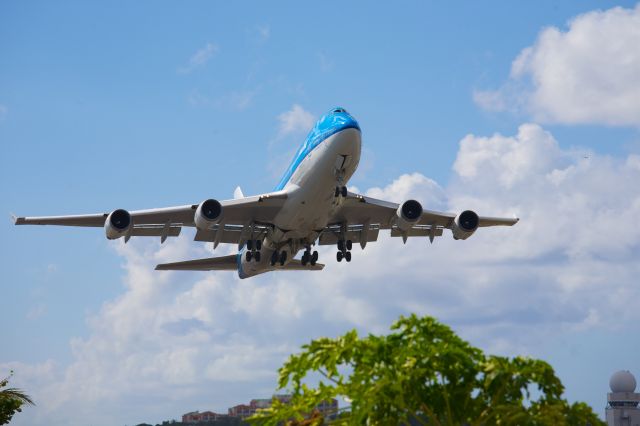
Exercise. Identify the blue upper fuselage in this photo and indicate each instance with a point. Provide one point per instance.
(329, 124)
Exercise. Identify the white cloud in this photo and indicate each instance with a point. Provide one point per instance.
(238, 100)
(263, 33)
(589, 73)
(296, 120)
(201, 57)
(175, 342)
(326, 64)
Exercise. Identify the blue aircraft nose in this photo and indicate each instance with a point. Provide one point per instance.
(339, 119)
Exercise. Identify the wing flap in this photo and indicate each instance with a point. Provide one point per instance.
(417, 231)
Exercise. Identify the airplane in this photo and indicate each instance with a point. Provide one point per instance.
(310, 205)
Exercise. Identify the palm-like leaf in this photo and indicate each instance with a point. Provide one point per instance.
(16, 394)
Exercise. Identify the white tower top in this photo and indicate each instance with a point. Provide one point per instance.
(622, 381)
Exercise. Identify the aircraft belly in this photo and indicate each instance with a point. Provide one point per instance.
(311, 191)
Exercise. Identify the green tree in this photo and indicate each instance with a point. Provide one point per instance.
(420, 373)
(11, 400)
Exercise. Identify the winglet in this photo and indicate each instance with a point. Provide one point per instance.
(17, 220)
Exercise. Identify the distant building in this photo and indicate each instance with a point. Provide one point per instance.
(197, 417)
(328, 409)
(622, 402)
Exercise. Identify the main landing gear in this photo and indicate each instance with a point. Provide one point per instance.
(341, 190)
(309, 258)
(344, 250)
(278, 257)
(253, 250)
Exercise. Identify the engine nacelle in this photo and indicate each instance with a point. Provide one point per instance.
(208, 213)
(408, 214)
(465, 225)
(117, 224)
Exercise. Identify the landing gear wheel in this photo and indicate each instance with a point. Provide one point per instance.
(305, 258)
(258, 245)
(337, 193)
(248, 256)
(314, 258)
(343, 191)
(339, 256)
(283, 257)
(341, 245)
(275, 256)
(257, 256)
(347, 256)
(249, 245)
(349, 245)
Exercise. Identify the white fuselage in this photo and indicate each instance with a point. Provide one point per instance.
(311, 200)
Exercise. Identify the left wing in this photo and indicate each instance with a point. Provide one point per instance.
(360, 218)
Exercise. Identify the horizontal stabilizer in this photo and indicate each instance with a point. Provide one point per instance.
(296, 265)
(223, 263)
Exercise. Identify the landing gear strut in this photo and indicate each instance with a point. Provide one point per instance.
(344, 250)
(309, 258)
(253, 250)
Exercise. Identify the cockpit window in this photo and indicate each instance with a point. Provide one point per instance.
(337, 110)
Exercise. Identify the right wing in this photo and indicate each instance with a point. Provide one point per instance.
(237, 217)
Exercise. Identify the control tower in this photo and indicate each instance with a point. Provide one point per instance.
(622, 403)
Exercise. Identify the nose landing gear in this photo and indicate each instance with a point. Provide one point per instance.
(341, 191)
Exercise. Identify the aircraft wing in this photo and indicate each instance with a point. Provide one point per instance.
(360, 218)
(163, 222)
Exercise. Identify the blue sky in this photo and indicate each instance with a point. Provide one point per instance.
(151, 104)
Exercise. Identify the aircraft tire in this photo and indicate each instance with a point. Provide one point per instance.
(257, 256)
(349, 245)
(314, 258)
(347, 256)
(339, 256)
(248, 256)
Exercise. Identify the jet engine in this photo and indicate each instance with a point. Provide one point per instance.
(208, 213)
(408, 214)
(464, 225)
(117, 224)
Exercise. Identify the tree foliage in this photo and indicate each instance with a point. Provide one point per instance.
(11, 400)
(420, 373)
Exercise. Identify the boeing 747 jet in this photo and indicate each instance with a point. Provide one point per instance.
(310, 206)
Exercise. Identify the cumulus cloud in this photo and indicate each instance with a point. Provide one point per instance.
(175, 342)
(198, 59)
(296, 120)
(589, 73)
